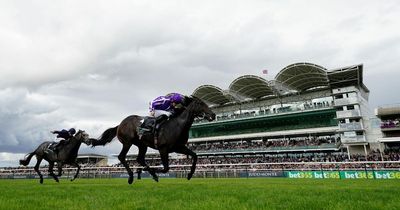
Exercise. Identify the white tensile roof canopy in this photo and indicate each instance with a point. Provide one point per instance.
(294, 78)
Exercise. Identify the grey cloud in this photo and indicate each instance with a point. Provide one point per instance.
(88, 65)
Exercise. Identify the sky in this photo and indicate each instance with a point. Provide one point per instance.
(89, 64)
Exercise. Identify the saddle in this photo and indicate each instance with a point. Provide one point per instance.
(52, 146)
(150, 126)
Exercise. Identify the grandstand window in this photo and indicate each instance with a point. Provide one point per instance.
(350, 107)
(351, 95)
(338, 96)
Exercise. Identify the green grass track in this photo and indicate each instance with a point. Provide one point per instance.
(208, 194)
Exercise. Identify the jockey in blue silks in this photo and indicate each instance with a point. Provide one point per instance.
(66, 135)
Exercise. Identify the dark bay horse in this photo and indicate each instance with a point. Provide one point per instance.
(173, 135)
(67, 154)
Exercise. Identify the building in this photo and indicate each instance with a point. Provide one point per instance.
(92, 160)
(390, 127)
(306, 109)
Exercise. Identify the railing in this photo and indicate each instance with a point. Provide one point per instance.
(353, 139)
(260, 114)
(335, 170)
(268, 149)
(348, 114)
(350, 126)
(346, 101)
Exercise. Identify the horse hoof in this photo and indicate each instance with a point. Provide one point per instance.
(130, 180)
(189, 176)
(155, 179)
(41, 181)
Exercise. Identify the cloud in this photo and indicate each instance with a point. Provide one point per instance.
(26, 119)
(90, 64)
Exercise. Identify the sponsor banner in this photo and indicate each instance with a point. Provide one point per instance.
(356, 175)
(387, 174)
(370, 174)
(344, 174)
(262, 174)
(145, 175)
(313, 174)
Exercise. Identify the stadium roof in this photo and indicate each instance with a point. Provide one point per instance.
(91, 155)
(250, 86)
(212, 94)
(295, 78)
(345, 76)
(303, 76)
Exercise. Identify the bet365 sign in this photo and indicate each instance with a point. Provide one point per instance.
(344, 174)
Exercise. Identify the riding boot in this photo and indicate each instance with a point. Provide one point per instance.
(161, 118)
(148, 125)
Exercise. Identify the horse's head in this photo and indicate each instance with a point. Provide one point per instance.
(200, 109)
(83, 137)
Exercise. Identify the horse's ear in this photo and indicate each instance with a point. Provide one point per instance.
(188, 100)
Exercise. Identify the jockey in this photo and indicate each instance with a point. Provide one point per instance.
(167, 105)
(66, 135)
(162, 108)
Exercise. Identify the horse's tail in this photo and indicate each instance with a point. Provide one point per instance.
(106, 137)
(27, 159)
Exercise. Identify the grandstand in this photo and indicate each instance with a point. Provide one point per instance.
(92, 160)
(306, 111)
(390, 127)
(308, 118)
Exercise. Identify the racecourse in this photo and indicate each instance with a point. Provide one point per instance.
(255, 193)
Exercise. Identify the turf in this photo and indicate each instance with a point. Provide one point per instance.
(257, 193)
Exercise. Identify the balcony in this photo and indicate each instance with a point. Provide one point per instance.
(353, 139)
(346, 101)
(351, 126)
(348, 114)
(270, 149)
(390, 125)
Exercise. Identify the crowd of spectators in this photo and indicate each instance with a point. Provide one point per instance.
(270, 144)
(270, 111)
(301, 161)
(391, 123)
(280, 161)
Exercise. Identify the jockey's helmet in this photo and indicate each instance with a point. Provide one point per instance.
(72, 131)
(176, 98)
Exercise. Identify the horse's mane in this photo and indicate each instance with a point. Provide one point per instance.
(196, 101)
(78, 133)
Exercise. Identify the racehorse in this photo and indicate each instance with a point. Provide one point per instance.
(66, 155)
(172, 136)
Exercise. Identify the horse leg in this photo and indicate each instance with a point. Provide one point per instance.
(141, 160)
(122, 158)
(39, 160)
(164, 160)
(77, 171)
(186, 151)
(139, 172)
(51, 172)
(59, 167)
